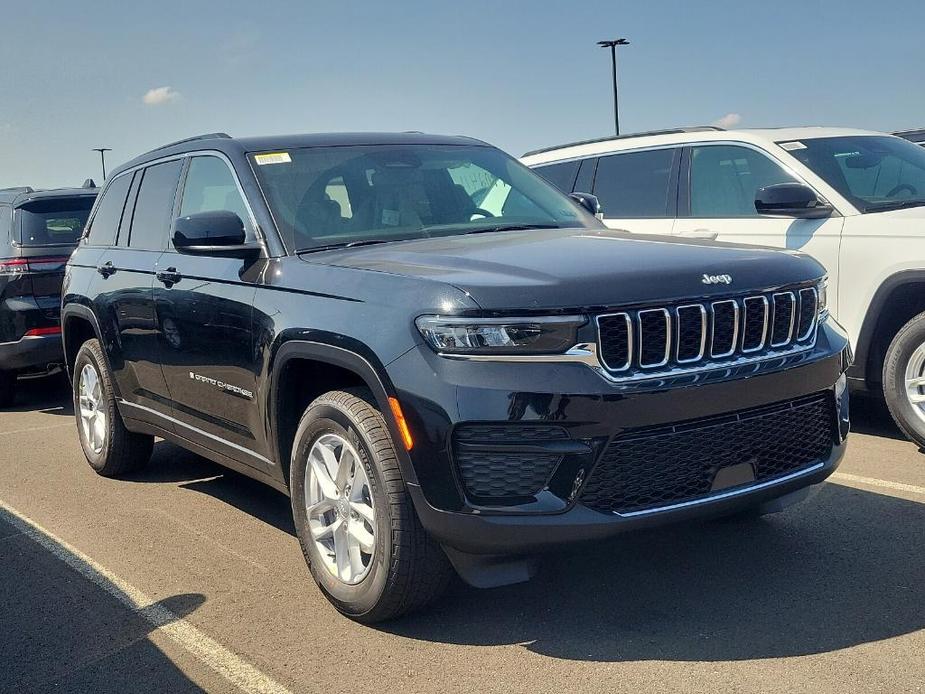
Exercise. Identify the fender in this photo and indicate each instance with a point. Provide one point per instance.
(85, 313)
(867, 333)
(374, 378)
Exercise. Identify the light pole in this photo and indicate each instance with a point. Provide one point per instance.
(102, 151)
(612, 45)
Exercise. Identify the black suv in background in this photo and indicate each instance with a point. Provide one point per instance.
(38, 231)
(443, 360)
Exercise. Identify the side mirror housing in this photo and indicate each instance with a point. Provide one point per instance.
(220, 233)
(589, 202)
(791, 200)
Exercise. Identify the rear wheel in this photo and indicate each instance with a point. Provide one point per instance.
(7, 388)
(904, 379)
(109, 447)
(360, 535)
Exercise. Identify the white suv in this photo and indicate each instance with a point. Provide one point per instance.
(854, 199)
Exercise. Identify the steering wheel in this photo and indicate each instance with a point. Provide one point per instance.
(484, 213)
(896, 190)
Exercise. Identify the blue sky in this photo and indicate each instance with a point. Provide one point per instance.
(518, 74)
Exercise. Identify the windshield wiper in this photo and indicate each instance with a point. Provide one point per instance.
(345, 244)
(894, 205)
(513, 227)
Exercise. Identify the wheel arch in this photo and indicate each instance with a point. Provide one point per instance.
(322, 367)
(898, 299)
(78, 324)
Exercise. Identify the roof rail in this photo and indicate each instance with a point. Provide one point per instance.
(669, 131)
(194, 138)
(20, 189)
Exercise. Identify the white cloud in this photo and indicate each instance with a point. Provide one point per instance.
(730, 120)
(160, 95)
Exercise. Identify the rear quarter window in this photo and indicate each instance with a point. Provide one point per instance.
(562, 176)
(53, 222)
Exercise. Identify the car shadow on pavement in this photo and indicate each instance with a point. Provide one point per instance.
(60, 631)
(49, 394)
(869, 415)
(844, 568)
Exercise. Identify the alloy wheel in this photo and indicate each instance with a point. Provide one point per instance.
(92, 408)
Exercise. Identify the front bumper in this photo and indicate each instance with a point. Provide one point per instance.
(31, 352)
(594, 413)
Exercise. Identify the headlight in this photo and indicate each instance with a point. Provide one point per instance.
(822, 289)
(540, 335)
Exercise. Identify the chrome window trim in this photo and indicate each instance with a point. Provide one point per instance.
(764, 326)
(667, 316)
(793, 316)
(734, 343)
(815, 321)
(629, 340)
(703, 333)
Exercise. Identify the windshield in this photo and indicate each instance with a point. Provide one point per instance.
(875, 173)
(324, 196)
(53, 222)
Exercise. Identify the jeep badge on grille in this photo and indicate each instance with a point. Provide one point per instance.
(716, 279)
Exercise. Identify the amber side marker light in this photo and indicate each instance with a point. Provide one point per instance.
(402, 424)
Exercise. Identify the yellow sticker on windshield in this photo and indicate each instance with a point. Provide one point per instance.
(272, 158)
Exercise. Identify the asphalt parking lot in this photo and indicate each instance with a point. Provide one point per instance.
(188, 577)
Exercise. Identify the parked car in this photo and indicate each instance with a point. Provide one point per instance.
(436, 379)
(917, 136)
(38, 231)
(853, 199)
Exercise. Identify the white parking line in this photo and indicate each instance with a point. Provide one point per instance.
(874, 482)
(205, 649)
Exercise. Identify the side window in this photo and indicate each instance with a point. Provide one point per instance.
(211, 186)
(562, 176)
(725, 178)
(105, 223)
(585, 180)
(635, 184)
(154, 206)
(6, 223)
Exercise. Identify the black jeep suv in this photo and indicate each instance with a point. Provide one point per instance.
(444, 361)
(38, 231)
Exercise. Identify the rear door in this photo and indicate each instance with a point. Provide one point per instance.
(204, 309)
(125, 301)
(638, 189)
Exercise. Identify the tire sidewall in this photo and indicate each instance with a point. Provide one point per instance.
(86, 356)
(894, 378)
(354, 600)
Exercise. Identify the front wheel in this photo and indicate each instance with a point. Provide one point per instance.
(7, 388)
(904, 379)
(360, 535)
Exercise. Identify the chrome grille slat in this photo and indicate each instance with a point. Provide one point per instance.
(670, 340)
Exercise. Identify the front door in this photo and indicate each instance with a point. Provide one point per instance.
(204, 309)
(720, 195)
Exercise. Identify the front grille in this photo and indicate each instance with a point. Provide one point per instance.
(668, 465)
(647, 342)
(491, 467)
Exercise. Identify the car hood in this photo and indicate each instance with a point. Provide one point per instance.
(579, 268)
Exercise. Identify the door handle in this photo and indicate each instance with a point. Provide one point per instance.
(699, 234)
(106, 269)
(169, 276)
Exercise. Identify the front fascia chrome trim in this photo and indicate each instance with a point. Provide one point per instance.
(734, 343)
(197, 430)
(815, 321)
(629, 340)
(764, 327)
(667, 317)
(723, 495)
(793, 316)
(703, 333)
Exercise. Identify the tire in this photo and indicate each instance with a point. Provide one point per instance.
(904, 354)
(406, 569)
(7, 388)
(115, 450)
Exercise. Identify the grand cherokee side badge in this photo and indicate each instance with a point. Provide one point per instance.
(716, 279)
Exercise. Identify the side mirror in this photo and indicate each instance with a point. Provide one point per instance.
(791, 200)
(218, 233)
(589, 202)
